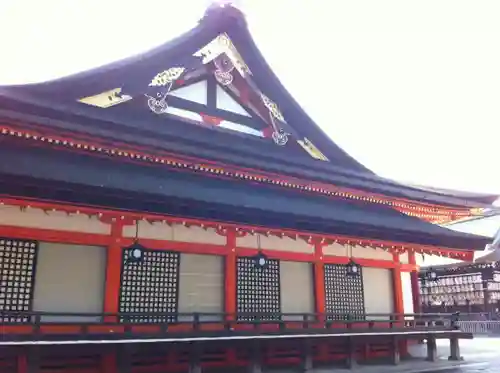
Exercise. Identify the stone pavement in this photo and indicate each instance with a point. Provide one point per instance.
(481, 355)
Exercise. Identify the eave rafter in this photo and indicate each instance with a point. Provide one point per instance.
(428, 212)
(107, 215)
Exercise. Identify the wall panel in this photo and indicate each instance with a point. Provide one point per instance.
(297, 290)
(275, 243)
(357, 252)
(175, 232)
(57, 220)
(378, 291)
(407, 292)
(201, 285)
(70, 279)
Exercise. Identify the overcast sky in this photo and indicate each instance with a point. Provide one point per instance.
(409, 88)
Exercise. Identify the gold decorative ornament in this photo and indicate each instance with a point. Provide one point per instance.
(224, 66)
(222, 44)
(272, 107)
(167, 77)
(311, 149)
(158, 104)
(106, 99)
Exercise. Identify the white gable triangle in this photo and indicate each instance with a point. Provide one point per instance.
(196, 92)
(226, 102)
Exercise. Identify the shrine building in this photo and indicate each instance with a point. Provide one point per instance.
(179, 210)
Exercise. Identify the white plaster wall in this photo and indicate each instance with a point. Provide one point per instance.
(275, 243)
(70, 278)
(357, 252)
(57, 220)
(176, 232)
(378, 291)
(201, 285)
(297, 288)
(196, 92)
(433, 260)
(191, 115)
(240, 128)
(226, 102)
(403, 258)
(407, 292)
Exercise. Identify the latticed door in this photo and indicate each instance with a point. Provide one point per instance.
(258, 289)
(17, 278)
(344, 294)
(150, 287)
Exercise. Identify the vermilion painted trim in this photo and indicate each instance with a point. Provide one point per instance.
(277, 254)
(397, 286)
(361, 261)
(22, 363)
(109, 362)
(230, 273)
(92, 239)
(395, 246)
(113, 268)
(319, 278)
(118, 328)
(408, 267)
(57, 236)
(181, 246)
(415, 288)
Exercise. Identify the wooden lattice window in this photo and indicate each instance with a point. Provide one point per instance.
(258, 289)
(17, 275)
(343, 294)
(150, 286)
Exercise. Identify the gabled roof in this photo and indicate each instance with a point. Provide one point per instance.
(487, 225)
(134, 77)
(480, 198)
(129, 85)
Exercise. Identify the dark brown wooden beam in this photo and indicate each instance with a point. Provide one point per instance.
(211, 92)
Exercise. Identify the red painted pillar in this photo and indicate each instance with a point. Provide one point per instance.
(415, 288)
(230, 273)
(112, 286)
(113, 268)
(319, 278)
(319, 294)
(397, 286)
(230, 283)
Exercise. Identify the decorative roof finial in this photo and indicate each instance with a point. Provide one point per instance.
(225, 9)
(225, 3)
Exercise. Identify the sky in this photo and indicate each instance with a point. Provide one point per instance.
(411, 89)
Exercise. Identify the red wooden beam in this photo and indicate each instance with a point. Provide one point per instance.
(230, 280)
(319, 278)
(397, 285)
(113, 268)
(56, 236)
(108, 213)
(415, 288)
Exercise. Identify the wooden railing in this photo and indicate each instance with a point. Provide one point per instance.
(53, 326)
